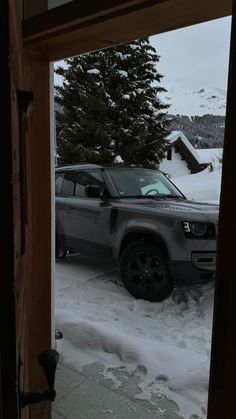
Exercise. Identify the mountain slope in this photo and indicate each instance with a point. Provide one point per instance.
(199, 114)
(205, 131)
(198, 102)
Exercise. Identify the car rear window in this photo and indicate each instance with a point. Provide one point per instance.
(58, 184)
(68, 185)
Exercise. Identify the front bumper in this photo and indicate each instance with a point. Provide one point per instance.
(204, 260)
(201, 269)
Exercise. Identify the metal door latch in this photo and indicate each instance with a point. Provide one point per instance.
(48, 361)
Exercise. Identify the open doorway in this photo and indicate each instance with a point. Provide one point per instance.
(139, 357)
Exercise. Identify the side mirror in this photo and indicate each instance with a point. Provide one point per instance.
(92, 191)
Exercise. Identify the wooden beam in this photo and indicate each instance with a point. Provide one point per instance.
(79, 27)
(33, 8)
(39, 218)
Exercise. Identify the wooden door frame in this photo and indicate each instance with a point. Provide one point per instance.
(100, 28)
(223, 360)
(25, 286)
(8, 396)
(82, 26)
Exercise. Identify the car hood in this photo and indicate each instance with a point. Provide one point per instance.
(176, 207)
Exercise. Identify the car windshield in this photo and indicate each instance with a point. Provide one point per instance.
(138, 183)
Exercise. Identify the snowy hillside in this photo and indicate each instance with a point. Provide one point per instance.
(205, 131)
(198, 102)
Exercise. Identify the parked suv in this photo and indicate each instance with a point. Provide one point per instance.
(139, 218)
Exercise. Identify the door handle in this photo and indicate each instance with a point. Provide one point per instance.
(48, 361)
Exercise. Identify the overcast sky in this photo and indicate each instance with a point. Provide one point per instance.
(196, 56)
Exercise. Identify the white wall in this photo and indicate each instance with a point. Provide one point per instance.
(174, 167)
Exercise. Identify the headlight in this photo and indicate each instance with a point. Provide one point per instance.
(195, 229)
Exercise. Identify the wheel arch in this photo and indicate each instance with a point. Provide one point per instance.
(135, 235)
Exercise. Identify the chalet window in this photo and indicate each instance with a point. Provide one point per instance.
(169, 154)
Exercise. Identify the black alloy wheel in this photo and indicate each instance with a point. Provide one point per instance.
(145, 272)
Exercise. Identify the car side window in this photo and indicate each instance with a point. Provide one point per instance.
(88, 178)
(68, 185)
(58, 184)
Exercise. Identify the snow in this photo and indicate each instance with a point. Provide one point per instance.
(122, 73)
(133, 46)
(93, 71)
(168, 342)
(140, 91)
(200, 102)
(204, 186)
(118, 159)
(209, 155)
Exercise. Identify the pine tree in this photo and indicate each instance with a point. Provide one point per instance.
(109, 109)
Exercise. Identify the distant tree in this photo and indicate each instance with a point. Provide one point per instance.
(108, 107)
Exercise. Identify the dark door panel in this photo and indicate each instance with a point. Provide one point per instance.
(86, 226)
(84, 222)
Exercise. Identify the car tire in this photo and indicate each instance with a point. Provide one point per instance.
(145, 272)
(60, 251)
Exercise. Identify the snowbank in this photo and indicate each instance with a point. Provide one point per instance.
(169, 341)
(203, 186)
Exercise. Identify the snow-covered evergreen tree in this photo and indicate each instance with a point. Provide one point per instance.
(109, 110)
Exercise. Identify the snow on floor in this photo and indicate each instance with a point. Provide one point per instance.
(101, 322)
(170, 341)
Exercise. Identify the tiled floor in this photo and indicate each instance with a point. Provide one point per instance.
(88, 395)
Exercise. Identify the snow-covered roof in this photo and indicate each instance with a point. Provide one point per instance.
(208, 155)
(175, 135)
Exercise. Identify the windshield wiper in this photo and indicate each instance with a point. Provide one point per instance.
(161, 196)
(164, 196)
(174, 196)
(137, 196)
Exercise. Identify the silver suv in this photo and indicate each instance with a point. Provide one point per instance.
(139, 218)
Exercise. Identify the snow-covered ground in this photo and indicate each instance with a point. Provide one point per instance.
(170, 341)
(204, 186)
